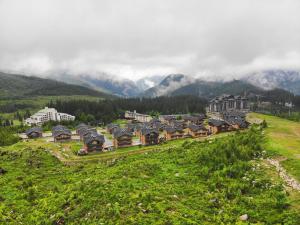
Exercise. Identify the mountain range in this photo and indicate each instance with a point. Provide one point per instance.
(151, 86)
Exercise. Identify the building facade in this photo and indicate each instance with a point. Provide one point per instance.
(47, 114)
(143, 118)
(228, 103)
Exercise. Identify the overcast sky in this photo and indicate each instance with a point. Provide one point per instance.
(135, 38)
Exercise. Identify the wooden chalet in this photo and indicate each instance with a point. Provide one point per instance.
(149, 136)
(93, 142)
(34, 132)
(85, 131)
(112, 127)
(61, 133)
(167, 119)
(80, 126)
(217, 126)
(122, 138)
(237, 123)
(193, 119)
(195, 131)
(172, 133)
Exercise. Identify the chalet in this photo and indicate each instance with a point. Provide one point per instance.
(85, 131)
(177, 123)
(131, 127)
(236, 119)
(167, 119)
(61, 133)
(122, 138)
(172, 133)
(80, 126)
(217, 126)
(149, 136)
(194, 130)
(34, 132)
(112, 127)
(228, 103)
(193, 119)
(93, 142)
(237, 123)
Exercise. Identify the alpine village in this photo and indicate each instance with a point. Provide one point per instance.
(224, 114)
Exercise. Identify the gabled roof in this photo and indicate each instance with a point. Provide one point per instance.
(121, 132)
(238, 121)
(93, 136)
(173, 129)
(81, 125)
(34, 129)
(59, 129)
(195, 127)
(112, 125)
(217, 123)
(147, 130)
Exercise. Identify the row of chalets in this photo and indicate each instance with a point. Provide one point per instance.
(166, 128)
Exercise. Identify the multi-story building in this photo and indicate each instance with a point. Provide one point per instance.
(228, 103)
(48, 114)
(143, 118)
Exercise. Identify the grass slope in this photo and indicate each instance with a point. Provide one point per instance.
(283, 138)
(194, 183)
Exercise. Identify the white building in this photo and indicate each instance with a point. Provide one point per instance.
(137, 116)
(48, 114)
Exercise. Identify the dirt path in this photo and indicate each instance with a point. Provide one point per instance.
(290, 181)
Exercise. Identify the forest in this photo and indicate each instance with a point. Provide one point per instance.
(105, 111)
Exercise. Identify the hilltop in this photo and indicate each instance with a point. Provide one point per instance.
(13, 85)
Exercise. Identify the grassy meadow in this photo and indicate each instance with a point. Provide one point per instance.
(283, 139)
(190, 182)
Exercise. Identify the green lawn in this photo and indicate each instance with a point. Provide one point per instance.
(283, 138)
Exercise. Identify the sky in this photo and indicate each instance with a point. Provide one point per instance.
(136, 38)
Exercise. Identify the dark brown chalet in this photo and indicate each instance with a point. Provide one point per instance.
(80, 127)
(85, 131)
(93, 142)
(193, 119)
(217, 126)
(112, 127)
(149, 136)
(122, 138)
(195, 131)
(172, 133)
(61, 133)
(34, 132)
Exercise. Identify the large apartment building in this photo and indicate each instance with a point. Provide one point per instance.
(143, 118)
(47, 114)
(226, 103)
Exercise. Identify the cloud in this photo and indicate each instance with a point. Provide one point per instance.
(137, 38)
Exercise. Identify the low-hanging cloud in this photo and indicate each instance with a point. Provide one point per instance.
(136, 38)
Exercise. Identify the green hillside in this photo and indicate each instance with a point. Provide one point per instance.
(12, 85)
(214, 182)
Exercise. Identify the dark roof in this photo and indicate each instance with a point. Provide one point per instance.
(112, 125)
(147, 130)
(86, 130)
(233, 114)
(34, 129)
(81, 125)
(195, 127)
(59, 129)
(93, 136)
(217, 123)
(173, 129)
(121, 132)
(238, 121)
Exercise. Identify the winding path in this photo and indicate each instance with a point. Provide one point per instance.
(290, 181)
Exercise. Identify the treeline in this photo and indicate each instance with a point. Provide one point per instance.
(105, 111)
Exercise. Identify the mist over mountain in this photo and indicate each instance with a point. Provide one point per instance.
(286, 79)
